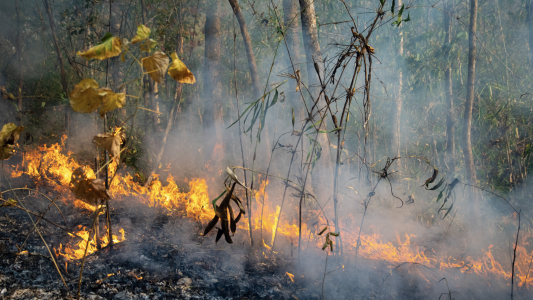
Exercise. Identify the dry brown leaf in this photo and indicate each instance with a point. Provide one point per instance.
(88, 190)
(110, 100)
(8, 139)
(178, 70)
(156, 65)
(111, 142)
(84, 98)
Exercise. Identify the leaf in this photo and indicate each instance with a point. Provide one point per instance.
(110, 100)
(392, 6)
(211, 225)
(437, 185)
(449, 210)
(84, 98)
(156, 65)
(292, 108)
(8, 139)
(234, 177)
(215, 201)
(335, 233)
(10, 203)
(179, 72)
(232, 223)
(110, 142)
(88, 190)
(322, 231)
(109, 47)
(148, 45)
(433, 177)
(275, 99)
(440, 195)
(143, 33)
(219, 235)
(225, 230)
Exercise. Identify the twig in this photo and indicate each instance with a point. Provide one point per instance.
(96, 213)
(514, 255)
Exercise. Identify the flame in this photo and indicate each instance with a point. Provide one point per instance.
(291, 276)
(49, 166)
(76, 251)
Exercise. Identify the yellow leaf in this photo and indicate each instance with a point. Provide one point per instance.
(88, 190)
(178, 70)
(84, 98)
(109, 47)
(156, 65)
(110, 100)
(143, 33)
(8, 139)
(148, 45)
(111, 142)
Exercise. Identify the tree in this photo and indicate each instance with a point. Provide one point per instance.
(450, 126)
(470, 85)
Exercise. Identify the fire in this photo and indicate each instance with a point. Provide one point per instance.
(49, 166)
(291, 276)
(76, 251)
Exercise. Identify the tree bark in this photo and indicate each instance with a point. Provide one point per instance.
(467, 128)
(450, 126)
(290, 18)
(248, 46)
(213, 124)
(322, 179)
(397, 112)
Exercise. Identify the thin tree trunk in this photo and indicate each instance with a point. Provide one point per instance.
(397, 113)
(213, 124)
(148, 84)
(450, 128)
(19, 61)
(248, 46)
(467, 129)
(529, 8)
(290, 18)
(174, 108)
(323, 180)
(60, 60)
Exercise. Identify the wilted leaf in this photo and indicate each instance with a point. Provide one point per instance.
(219, 235)
(111, 142)
(7, 95)
(232, 223)
(88, 190)
(433, 177)
(10, 202)
(234, 177)
(84, 98)
(156, 65)
(8, 139)
(211, 225)
(110, 100)
(143, 33)
(109, 47)
(322, 231)
(178, 70)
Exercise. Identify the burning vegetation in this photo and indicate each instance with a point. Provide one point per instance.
(286, 190)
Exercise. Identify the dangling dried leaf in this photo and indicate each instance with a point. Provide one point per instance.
(88, 190)
(156, 65)
(84, 98)
(148, 45)
(238, 217)
(232, 223)
(110, 100)
(8, 139)
(225, 230)
(111, 142)
(109, 47)
(211, 225)
(178, 70)
(219, 235)
(143, 33)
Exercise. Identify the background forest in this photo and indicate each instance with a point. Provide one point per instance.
(354, 97)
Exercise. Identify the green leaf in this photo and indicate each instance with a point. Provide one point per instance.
(275, 99)
(214, 201)
(322, 231)
(440, 195)
(437, 185)
(392, 6)
(335, 233)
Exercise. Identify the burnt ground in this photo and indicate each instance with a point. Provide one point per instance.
(165, 257)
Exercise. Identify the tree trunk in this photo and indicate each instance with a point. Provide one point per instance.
(322, 179)
(248, 47)
(290, 18)
(19, 61)
(450, 128)
(213, 124)
(467, 129)
(529, 8)
(397, 111)
(148, 84)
